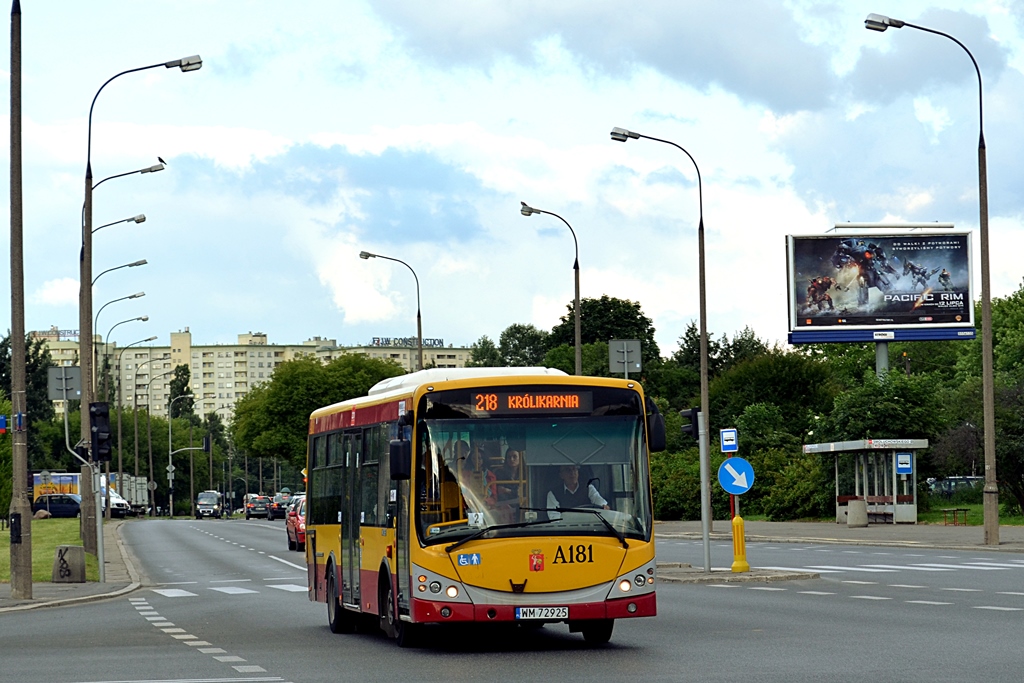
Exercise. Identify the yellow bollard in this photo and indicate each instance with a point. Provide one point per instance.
(739, 546)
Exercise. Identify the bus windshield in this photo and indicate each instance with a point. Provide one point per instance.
(566, 468)
(208, 498)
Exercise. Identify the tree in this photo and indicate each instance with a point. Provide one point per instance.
(522, 346)
(272, 420)
(604, 319)
(484, 354)
(688, 353)
(179, 386)
(744, 346)
(593, 359)
(893, 406)
(38, 406)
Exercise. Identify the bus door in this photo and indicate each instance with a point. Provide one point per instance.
(352, 448)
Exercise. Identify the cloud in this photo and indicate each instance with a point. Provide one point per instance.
(764, 58)
(61, 292)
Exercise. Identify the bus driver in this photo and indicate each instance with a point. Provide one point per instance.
(571, 495)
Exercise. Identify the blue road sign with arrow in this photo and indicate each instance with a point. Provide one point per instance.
(736, 475)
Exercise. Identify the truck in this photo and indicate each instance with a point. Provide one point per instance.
(134, 490)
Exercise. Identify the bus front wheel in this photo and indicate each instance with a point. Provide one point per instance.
(404, 633)
(598, 632)
(339, 619)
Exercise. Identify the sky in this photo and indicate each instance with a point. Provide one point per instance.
(413, 130)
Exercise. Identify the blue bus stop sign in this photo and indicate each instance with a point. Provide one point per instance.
(736, 476)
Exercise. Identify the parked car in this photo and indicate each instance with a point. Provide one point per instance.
(295, 524)
(208, 505)
(279, 506)
(59, 504)
(258, 506)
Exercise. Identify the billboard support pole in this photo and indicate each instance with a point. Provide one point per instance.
(881, 358)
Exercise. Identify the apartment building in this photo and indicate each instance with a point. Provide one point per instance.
(221, 374)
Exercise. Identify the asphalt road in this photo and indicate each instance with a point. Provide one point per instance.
(225, 601)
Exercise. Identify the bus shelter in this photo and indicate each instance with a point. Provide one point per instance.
(879, 474)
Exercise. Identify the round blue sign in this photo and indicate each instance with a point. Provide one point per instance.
(736, 475)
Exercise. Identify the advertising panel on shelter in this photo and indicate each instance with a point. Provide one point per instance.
(892, 286)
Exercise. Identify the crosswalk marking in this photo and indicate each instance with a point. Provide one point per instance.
(999, 609)
(962, 566)
(911, 567)
(850, 569)
(290, 587)
(233, 590)
(174, 593)
(869, 597)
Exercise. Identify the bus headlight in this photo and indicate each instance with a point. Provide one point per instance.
(452, 592)
(625, 585)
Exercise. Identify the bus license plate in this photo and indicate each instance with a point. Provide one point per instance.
(542, 612)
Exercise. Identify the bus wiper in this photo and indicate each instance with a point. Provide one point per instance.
(478, 534)
(618, 534)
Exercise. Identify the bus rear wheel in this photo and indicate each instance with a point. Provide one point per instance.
(598, 632)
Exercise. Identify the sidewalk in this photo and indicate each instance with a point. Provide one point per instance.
(121, 578)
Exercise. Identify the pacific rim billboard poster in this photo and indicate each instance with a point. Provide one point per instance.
(860, 281)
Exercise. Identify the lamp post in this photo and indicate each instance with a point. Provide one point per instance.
(878, 22)
(85, 275)
(419, 321)
(106, 344)
(212, 412)
(527, 210)
(149, 433)
(133, 264)
(622, 135)
(120, 459)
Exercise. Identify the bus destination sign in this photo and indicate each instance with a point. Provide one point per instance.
(528, 402)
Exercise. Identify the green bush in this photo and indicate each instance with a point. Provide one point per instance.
(799, 490)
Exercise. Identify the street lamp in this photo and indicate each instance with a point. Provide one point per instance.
(141, 218)
(120, 460)
(133, 264)
(85, 276)
(527, 210)
(95, 327)
(419, 321)
(106, 343)
(879, 22)
(170, 449)
(622, 135)
(149, 436)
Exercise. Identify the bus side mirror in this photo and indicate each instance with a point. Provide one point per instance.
(400, 453)
(655, 427)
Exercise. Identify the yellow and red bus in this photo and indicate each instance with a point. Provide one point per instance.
(484, 495)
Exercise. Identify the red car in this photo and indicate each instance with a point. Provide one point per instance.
(295, 525)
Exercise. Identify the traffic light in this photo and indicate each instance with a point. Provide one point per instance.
(690, 423)
(99, 420)
(207, 441)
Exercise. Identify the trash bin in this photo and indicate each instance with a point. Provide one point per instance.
(857, 513)
(69, 564)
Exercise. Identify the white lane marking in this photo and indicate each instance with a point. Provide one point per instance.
(248, 669)
(229, 658)
(964, 566)
(290, 564)
(174, 593)
(904, 585)
(816, 593)
(162, 624)
(996, 564)
(862, 583)
(149, 613)
(765, 588)
(173, 630)
(212, 650)
(910, 567)
(869, 597)
(293, 588)
(156, 619)
(1000, 609)
(961, 590)
(1008, 593)
(801, 569)
(233, 590)
(850, 569)
(231, 580)
(183, 636)
(722, 585)
(196, 643)
(927, 602)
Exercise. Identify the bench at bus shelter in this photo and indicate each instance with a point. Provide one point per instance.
(959, 516)
(875, 515)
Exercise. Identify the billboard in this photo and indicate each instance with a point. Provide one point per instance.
(897, 285)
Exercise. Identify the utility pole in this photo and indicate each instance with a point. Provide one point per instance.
(21, 508)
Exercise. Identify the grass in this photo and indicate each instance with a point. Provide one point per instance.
(47, 534)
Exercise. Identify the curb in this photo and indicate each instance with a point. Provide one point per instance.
(718, 537)
(134, 585)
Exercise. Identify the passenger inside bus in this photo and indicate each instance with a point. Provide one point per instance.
(570, 494)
